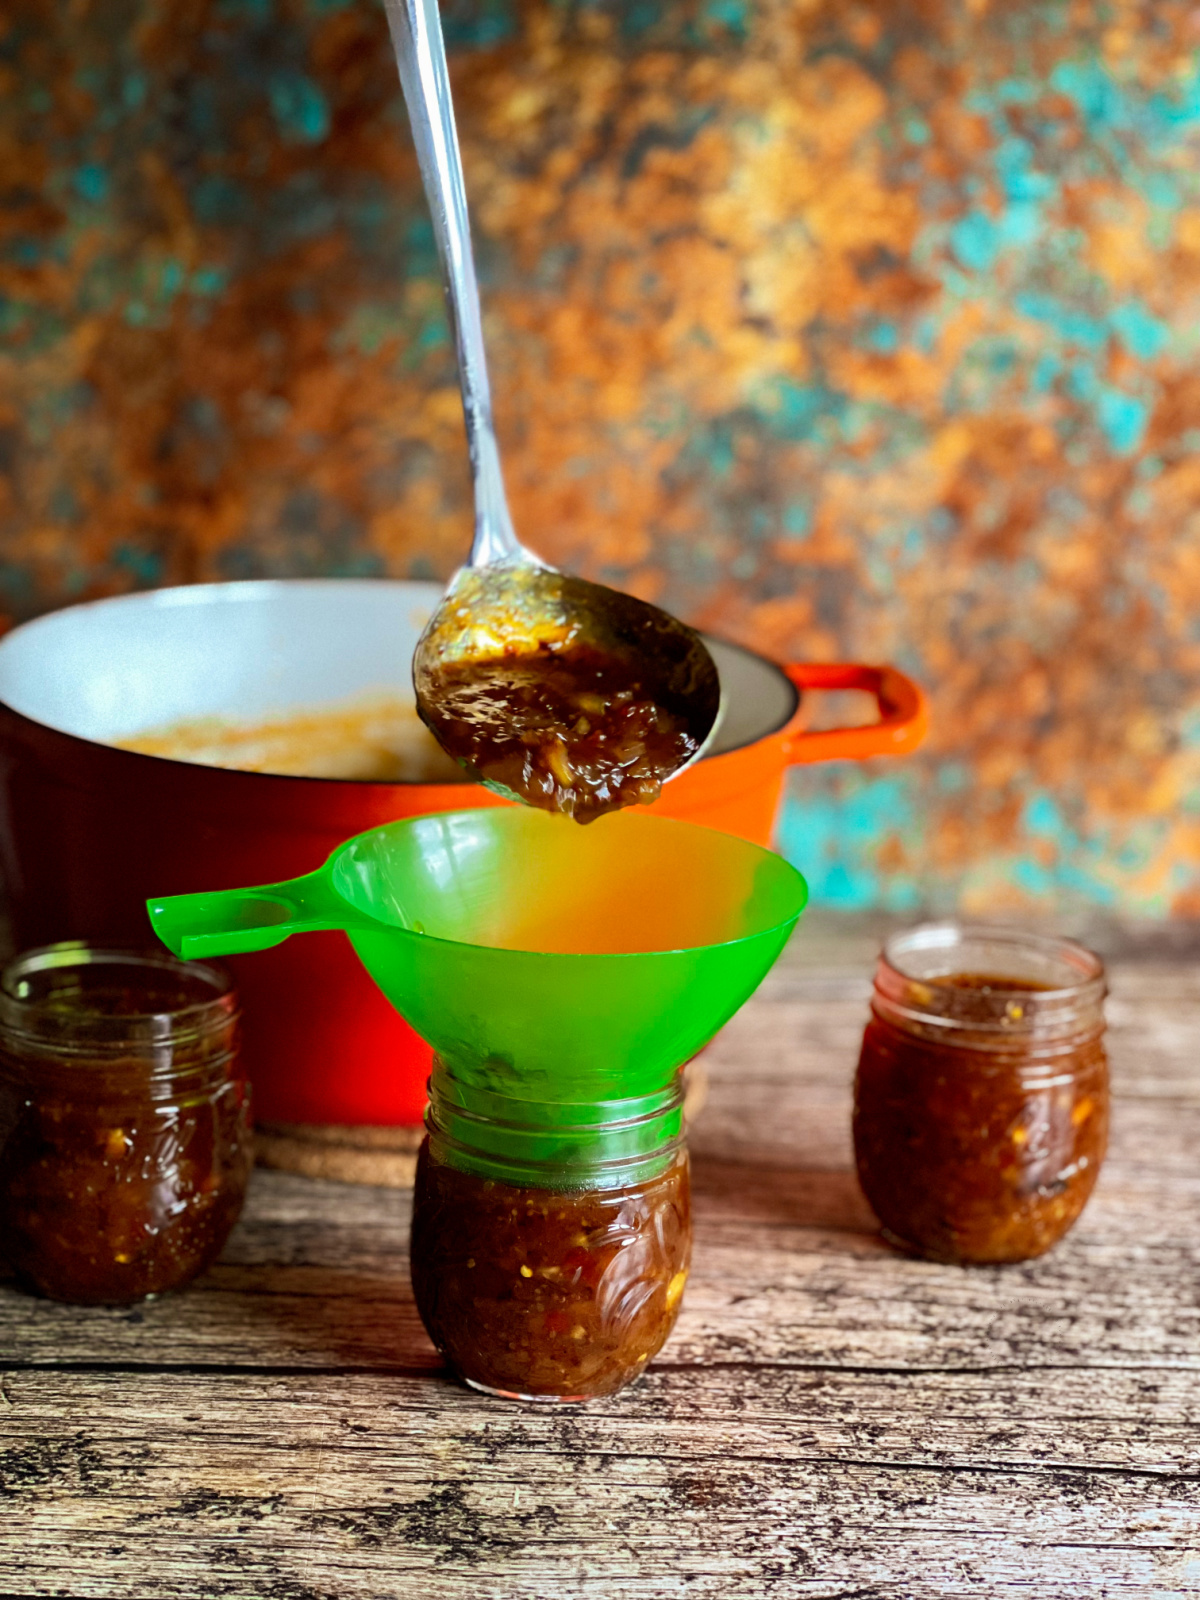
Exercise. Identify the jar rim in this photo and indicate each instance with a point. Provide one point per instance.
(1028, 986)
(32, 1015)
(948, 935)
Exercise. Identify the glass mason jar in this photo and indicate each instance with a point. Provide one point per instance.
(981, 1102)
(550, 1243)
(124, 1121)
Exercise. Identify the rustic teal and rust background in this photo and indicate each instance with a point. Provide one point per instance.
(848, 330)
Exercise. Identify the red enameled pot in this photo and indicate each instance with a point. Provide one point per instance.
(88, 832)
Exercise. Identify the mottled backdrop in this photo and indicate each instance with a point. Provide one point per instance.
(848, 330)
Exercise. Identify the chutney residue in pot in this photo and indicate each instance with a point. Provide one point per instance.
(375, 738)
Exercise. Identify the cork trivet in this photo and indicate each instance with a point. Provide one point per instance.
(383, 1156)
(695, 1090)
(386, 1157)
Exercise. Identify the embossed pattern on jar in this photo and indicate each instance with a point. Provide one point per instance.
(548, 1293)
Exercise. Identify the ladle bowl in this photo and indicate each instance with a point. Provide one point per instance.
(540, 961)
(524, 610)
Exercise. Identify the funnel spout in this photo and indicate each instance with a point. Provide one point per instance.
(234, 921)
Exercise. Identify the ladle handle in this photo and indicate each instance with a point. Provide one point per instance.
(230, 922)
(421, 56)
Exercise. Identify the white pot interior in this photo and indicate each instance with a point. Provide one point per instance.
(116, 668)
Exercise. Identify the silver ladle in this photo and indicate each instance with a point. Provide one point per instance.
(506, 600)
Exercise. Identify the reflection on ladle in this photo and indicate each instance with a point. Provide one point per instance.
(563, 693)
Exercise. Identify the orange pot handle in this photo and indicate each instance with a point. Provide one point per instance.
(903, 713)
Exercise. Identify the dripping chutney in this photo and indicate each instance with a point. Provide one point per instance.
(124, 1121)
(981, 1105)
(568, 695)
(549, 1262)
(574, 729)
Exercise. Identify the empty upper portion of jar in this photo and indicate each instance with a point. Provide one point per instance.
(75, 1002)
(985, 986)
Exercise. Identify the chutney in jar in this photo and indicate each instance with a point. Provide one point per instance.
(549, 1293)
(124, 1122)
(981, 1104)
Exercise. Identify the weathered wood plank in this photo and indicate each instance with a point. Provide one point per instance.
(788, 1269)
(755, 1483)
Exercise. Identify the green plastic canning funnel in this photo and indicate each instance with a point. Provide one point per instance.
(561, 974)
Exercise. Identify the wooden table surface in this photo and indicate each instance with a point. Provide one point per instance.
(829, 1419)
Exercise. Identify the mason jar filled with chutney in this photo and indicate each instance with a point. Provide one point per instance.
(981, 1104)
(124, 1121)
(550, 1241)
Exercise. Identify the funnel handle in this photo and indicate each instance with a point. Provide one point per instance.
(228, 922)
(903, 713)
